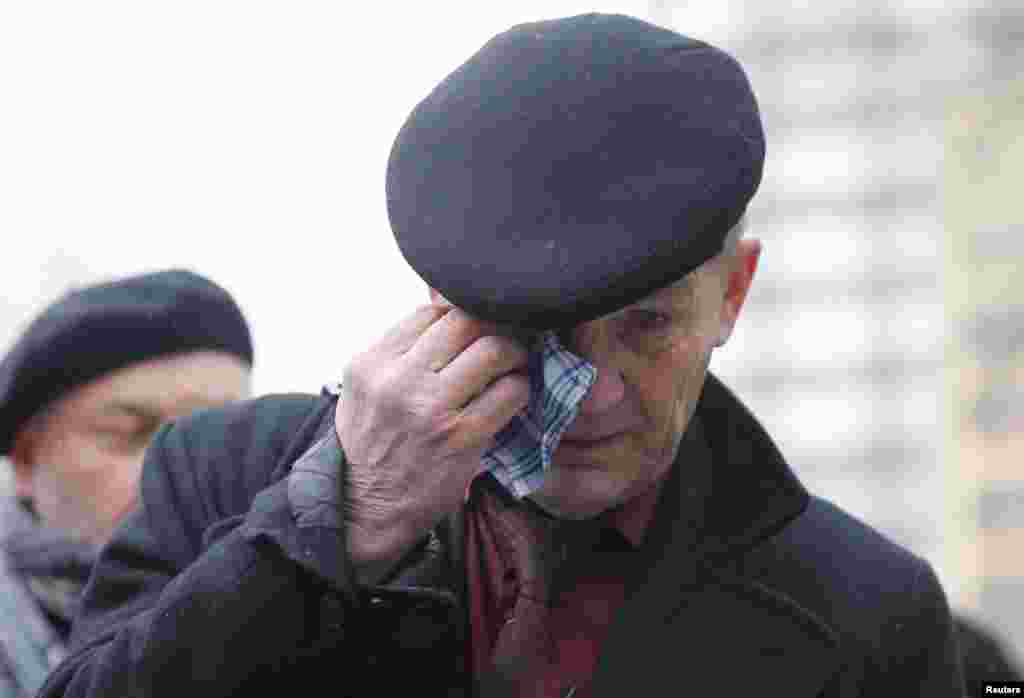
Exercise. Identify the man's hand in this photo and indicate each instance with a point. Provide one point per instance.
(415, 415)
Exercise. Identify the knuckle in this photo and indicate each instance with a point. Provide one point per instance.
(430, 412)
(355, 371)
(449, 434)
(516, 391)
(490, 348)
(383, 383)
(445, 425)
(520, 386)
(464, 323)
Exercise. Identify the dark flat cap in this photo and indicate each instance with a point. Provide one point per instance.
(98, 329)
(571, 167)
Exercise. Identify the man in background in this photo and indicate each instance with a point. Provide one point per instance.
(81, 393)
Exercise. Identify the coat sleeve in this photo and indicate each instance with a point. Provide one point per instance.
(186, 600)
(924, 659)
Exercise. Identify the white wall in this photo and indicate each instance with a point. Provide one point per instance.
(245, 140)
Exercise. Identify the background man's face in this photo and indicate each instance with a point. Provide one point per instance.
(652, 358)
(83, 456)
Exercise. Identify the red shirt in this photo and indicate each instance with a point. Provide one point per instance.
(580, 624)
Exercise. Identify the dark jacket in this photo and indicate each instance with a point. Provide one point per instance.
(232, 577)
(983, 654)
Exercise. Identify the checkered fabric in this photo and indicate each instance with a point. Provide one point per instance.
(559, 381)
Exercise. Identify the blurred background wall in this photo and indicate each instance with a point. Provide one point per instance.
(885, 344)
(883, 347)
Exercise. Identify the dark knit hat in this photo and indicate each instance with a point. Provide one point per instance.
(95, 330)
(573, 166)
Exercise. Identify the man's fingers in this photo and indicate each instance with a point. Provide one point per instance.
(482, 363)
(444, 340)
(402, 336)
(493, 409)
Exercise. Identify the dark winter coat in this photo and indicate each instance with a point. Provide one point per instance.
(232, 577)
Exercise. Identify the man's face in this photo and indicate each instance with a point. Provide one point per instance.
(79, 462)
(652, 358)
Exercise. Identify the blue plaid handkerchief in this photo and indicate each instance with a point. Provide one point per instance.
(559, 380)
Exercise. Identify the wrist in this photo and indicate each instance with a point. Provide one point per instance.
(374, 553)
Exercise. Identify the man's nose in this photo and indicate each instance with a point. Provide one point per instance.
(607, 391)
(590, 341)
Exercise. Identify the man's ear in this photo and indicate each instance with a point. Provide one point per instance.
(739, 277)
(22, 457)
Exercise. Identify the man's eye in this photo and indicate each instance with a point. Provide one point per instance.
(127, 439)
(642, 320)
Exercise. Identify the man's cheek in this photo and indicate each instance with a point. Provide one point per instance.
(53, 498)
(631, 458)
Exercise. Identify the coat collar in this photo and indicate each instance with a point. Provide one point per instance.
(703, 625)
(750, 491)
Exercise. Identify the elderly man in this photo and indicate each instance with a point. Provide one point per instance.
(81, 394)
(530, 486)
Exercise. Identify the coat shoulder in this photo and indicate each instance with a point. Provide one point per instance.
(255, 434)
(208, 467)
(826, 530)
(869, 589)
